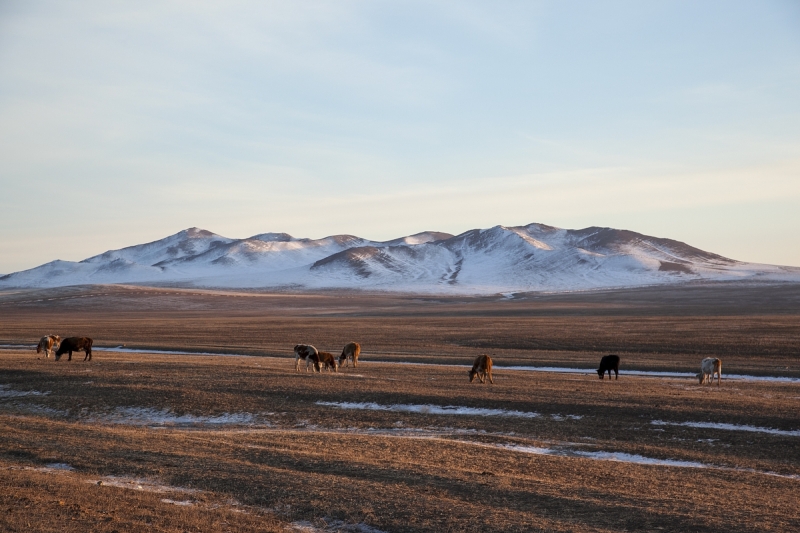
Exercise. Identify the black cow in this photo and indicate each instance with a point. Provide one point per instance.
(607, 364)
(75, 344)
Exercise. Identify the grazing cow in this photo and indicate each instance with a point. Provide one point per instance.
(708, 367)
(75, 344)
(327, 360)
(482, 367)
(351, 352)
(607, 364)
(48, 343)
(307, 353)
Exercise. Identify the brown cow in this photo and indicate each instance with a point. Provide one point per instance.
(307, 353)
(327, 360)
(351, 352)
(75, 344)
(48, 343)
(482, 367)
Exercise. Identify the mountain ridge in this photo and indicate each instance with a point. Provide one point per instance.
(500, 259)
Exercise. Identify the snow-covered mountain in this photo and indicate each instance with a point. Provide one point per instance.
(501, 259)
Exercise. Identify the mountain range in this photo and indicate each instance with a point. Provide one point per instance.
(501, 259)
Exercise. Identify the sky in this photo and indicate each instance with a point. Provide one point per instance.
(125, 122)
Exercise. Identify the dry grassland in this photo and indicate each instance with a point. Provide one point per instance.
(233, 443)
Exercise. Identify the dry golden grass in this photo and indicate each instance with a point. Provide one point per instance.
(290, 459)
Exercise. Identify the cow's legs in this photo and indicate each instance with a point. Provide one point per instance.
(70, 356)
(490, 378)
(616, 374)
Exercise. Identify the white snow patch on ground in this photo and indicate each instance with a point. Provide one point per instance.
(145, 485)
(627, 458)
(729, 427)
(185, 503)
(59, 466)
(561, 418)
(6, 392)
(139, 416)
(638, 459)
(303, 526)
(428, 409)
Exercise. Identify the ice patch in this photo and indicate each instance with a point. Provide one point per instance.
(140, 484)
(6, 392)
(561, 418)
(59, 466)
(602, 456)
(729, 427)
(142, 416)
(638, 459)
(303, 526)
(185, 503)
(628, 458)
(428, 409)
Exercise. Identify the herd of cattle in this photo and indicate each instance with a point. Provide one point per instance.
(318, 360)
(482, 367)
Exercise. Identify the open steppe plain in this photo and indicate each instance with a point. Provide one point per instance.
(239, 441)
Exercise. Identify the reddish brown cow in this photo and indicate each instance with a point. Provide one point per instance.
(327, 360)
(482, 367)
(351, 352)
(48, 343)
(75, 344)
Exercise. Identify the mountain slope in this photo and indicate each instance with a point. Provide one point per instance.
(535, 257)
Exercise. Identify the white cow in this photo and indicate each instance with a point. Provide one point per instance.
(307, 353)
(708, 367)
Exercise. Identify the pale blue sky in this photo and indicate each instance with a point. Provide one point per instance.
(124, 122)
